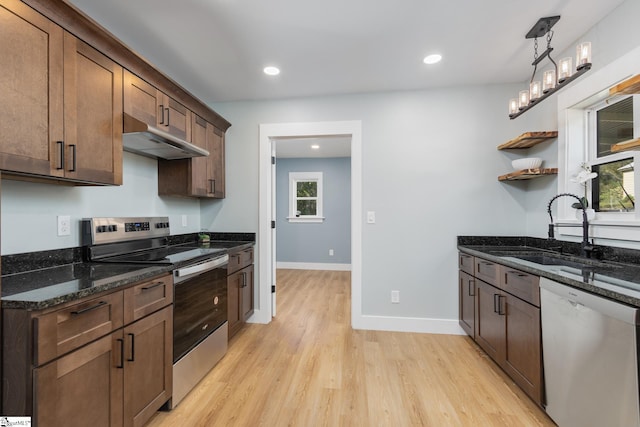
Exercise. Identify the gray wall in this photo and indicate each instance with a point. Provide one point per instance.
(29, 210)
(310, 242)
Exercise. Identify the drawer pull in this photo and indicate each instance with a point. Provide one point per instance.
(500, 312)
(84, 310)
(155, 285)
(161, 114)
(517, 273)
(244, 279)
(121, 364)
(496, 298)
(133, 348)
(73, 163)
(469, 291)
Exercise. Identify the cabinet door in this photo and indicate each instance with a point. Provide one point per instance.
(523, 353)
(216, 163)
(467, 302)
(83, 388)
(246, 296)
(234, 311)
(92, 114)
(199, 165)
(490, 320)
(31, 48)
(141, 100)
(176, 118)
(148, 363)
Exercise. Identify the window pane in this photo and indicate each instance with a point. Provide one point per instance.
(613, 188)
(307, 207)
(307, 189)
(614, 124)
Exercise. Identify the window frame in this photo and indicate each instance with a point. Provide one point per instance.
(294, 178)
(592, 158)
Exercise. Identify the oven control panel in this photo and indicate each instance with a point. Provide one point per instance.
(116, 229)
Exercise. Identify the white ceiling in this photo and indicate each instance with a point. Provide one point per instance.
(216, 49)
(329, 146)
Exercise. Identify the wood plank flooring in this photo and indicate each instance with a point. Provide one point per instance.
(309, 368)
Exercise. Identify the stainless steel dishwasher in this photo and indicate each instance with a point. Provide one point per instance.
(590, 358)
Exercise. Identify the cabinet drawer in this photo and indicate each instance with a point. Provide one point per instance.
(522, 285)
(487, 271)
(465, 263)
(62, 331)
(240, 260)
(145, 298)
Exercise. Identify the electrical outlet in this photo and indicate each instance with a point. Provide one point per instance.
(184, 220)
(395, 297)
(64, 225)
(330, 252)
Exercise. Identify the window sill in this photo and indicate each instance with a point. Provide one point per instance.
(605, 229)
(309, 219)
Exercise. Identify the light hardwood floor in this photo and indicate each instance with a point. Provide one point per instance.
(309, 368)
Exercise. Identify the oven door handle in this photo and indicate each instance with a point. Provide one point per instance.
(202, 267)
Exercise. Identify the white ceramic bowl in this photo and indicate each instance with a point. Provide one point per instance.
(526, 163)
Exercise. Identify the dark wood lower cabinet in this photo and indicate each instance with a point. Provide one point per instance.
(506, 326)
(240, 287)
(467, 309)
(490, 320)
(83, 388)
(148, 363)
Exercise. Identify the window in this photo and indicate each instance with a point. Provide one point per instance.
(611, 122)
(305, 197)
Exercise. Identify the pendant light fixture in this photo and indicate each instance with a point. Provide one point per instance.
(553, 79)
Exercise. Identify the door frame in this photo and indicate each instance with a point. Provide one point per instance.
(269, 132)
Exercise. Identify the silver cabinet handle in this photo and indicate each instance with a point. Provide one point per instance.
(205, 266)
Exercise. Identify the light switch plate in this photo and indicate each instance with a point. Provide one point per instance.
(184, 220)
(371, 217)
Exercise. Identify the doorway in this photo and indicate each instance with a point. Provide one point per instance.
(266, 236)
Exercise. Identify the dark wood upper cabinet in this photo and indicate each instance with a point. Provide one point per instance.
(146, 103)
(31, 116)
(62, 113)
(200, 176)
(92, 114)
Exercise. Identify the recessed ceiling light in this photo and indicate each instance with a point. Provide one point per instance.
(315, 146)
(271, 71)
(432, 59)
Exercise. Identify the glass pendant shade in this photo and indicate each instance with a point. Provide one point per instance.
(523, 99)
(513, 106)
(548, 80)
(535, 90)
(583, 56)
(565, 69)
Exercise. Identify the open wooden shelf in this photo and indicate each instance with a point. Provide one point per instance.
(528, 174)
(528, 139)
(628, 87)
(632, 144)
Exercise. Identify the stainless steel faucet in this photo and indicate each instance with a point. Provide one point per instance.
(587, 248)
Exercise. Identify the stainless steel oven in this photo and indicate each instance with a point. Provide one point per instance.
(200, 289)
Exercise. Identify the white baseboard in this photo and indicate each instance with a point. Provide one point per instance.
(313, 266)
(408, 324)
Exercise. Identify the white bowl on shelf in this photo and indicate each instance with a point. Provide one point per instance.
(526, 163)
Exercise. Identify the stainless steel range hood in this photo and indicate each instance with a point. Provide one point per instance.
(140, 138)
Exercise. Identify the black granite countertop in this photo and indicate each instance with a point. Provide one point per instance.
(39, 280)
(615, 276)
